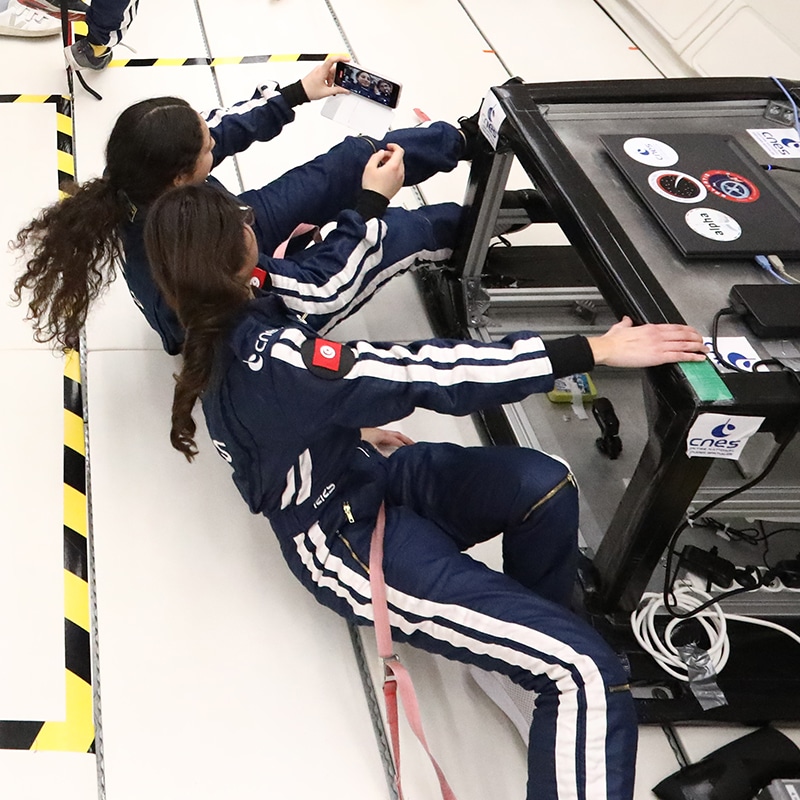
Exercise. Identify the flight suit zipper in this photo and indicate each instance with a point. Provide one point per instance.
(554, 491)
(348, 512)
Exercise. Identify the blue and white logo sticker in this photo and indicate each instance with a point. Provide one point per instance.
(736, 350)
(720, 436)
(651, 152)
(777, 142)
(491, 118)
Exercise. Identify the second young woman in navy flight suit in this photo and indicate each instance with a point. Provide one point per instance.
(73, 245)
(284, 407)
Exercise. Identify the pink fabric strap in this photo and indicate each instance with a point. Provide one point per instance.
(303, 227)
(396, 678)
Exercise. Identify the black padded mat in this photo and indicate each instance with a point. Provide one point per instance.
(710, 196)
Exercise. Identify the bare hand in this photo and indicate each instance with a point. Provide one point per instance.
(319, 82)
(385, 171)
(626, 345)
(383, 438)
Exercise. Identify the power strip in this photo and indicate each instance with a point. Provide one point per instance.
(781, 790)
(696, 582)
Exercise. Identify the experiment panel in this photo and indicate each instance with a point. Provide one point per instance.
(679, 199)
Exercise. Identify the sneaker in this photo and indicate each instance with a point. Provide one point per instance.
(515, 702)
(19, 20)
(470, 130)
(81, 56)
(519, 208)
(76, 9)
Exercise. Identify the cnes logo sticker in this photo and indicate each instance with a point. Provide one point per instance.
(720, 436)
(256, 360)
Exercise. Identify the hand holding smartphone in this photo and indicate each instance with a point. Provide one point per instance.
(367, 84)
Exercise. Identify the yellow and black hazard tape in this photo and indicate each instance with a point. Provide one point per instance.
(64, 147)
(217, 62)
(74, 733)
(30, 98)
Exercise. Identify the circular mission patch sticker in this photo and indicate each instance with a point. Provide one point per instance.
(713, 224)
(730, 185)
(677, 186)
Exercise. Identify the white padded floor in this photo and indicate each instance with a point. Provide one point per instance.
(220, 677)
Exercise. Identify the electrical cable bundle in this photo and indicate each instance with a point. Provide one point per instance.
(712, 619)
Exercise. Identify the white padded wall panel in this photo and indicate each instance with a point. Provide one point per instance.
(31, 537)
(220, 673)
(714, 37)
(260, 27)
(573, 40)
(48, 776)
(31, 180)
(771, 42)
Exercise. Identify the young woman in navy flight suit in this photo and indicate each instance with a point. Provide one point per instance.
(162, 142)
(284, 406)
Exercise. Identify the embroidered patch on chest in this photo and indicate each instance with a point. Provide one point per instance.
(260, 279)
(326, 359)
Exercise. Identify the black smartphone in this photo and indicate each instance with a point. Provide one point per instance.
(367, 84)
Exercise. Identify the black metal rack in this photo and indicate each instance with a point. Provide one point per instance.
(620, 262)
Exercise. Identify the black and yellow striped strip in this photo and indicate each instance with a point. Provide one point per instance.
(66, 154)
(218, 62)
(31, 98)
(64, 146)
(74, 733)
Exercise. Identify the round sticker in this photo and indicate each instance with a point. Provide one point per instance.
(713, 224)
(650, 152)
(677, 186)
(730, 185)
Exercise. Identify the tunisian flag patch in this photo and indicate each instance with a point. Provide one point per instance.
(327, 359)
(259, 278)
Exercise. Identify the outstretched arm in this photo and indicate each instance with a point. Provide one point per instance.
(263, 117)
(385, 439)
(319, 82)
(626, 345)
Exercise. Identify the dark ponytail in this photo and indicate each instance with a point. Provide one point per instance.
(71, 248)
(73, 245)
(195, 242)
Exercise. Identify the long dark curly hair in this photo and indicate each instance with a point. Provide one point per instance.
(72, 246)
(195, 243)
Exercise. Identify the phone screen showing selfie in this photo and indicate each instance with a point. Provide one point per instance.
(367, 84)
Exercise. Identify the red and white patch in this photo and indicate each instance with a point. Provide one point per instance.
(327, 354)
(327, 359)
(258, 278)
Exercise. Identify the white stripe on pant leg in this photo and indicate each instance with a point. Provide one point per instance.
(128, 16)
(305, 477)
(289, 491)
(366, 255)
(568, 707)
(398, 268)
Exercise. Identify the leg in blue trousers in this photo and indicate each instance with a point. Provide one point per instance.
(440, 500)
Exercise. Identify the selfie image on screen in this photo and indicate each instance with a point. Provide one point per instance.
(369, 85)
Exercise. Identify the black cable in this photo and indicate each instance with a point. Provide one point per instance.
(88, 88)
(714, 335)
(767, 537)
(669, 577)
(749, 535)
(770, 167)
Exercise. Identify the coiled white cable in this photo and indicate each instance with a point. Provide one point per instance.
(713, 620)
(663, 650)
